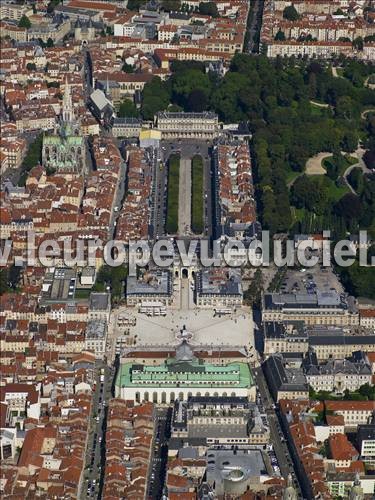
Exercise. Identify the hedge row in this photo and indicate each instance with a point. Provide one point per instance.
(173, 193)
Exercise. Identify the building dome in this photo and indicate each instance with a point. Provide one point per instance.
(184, 352)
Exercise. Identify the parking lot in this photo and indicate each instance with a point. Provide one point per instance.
(187, 148)
(311, 280)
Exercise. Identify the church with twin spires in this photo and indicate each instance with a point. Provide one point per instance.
(64, 150)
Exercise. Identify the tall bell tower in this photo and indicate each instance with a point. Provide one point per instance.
(67, 107)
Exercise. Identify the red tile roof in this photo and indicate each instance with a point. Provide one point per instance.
(341, 448)
(350, 405)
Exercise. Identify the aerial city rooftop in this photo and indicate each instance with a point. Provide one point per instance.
(190, 127)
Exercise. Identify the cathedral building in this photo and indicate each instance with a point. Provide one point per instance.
(64, 151)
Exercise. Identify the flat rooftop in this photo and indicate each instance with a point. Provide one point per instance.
(99, 301)
(59, 285)
(151, 283)
(96, 329)
(316, 300)
(219, 281)
(217, 431)
(231, 465)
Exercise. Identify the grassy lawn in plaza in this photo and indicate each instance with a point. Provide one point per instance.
(82, 293)
(197, 198)
(173, 192)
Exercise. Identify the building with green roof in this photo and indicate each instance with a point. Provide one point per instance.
(181, 377)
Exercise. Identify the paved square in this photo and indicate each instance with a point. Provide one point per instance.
(233, 330)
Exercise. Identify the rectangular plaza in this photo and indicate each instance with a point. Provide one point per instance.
(201, 326)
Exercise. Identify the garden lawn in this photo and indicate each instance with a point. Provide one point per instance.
(173, 193)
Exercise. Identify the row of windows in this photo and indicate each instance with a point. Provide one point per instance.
(323, 378)
(238, 421)
(185, 382)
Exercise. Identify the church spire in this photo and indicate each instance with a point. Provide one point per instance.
(67, 109)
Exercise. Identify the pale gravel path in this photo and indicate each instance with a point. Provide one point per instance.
(314, 164)
(361, 164)
(184, 202)
(320, 104)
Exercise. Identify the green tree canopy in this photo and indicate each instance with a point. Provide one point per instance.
(3, 280)
(208, 9)
(280, 36)
(188, 82)
(32, 158)
(359, 281)
(197, 101)
(171, 5)
(290, 13)
(24, 22)
(127, 109)
(155, 97)
(135, 4)
(306, 194)
(350, 207)
(127, 68)
(51, 6)
(358, 43)
(369, 159)
(114, 277)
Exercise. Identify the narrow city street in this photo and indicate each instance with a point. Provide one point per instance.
(159, 458)
(95, 452)
(277, 437)
(159, 199)
(254, 25)
(117, 202)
